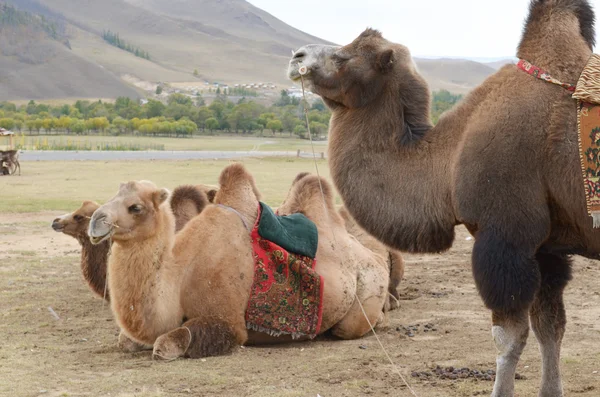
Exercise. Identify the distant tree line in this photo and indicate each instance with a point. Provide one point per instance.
(181, 116)
(11, 16)
(441, 101)
(114, 39)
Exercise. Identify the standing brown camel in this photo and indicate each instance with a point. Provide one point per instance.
(190, 299)
(504, 163)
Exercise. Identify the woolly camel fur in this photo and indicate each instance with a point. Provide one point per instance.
(394, 258)
(504, 162)
(190, 299)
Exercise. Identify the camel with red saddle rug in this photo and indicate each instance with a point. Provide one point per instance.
(194, 299)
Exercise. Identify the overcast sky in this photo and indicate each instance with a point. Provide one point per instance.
(458, 28)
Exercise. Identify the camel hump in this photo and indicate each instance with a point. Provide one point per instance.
(236, 176)
(542, 11)
(300, 176)
(188, 194)
(312, 185)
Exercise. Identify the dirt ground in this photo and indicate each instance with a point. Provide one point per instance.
(441, 321)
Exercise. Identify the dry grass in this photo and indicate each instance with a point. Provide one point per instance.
(77, 354)
(64, 185)
(207, 143)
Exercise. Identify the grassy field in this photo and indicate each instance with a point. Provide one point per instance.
(210, 143)
(64, 185)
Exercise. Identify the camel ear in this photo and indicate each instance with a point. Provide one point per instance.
(160, 196)
(385, 60)
(211, 195)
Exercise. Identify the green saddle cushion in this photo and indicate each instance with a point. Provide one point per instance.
(295, 233)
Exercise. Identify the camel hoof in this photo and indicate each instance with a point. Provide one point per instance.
(173, 345)
(383, 322)
(128, 346)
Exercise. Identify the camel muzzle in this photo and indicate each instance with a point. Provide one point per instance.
(308, 57)
(57, 225)
(100, 228)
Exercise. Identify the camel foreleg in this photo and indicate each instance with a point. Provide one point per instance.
(548, 319)
(510, 333)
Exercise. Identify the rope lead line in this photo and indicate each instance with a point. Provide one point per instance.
(303, 70)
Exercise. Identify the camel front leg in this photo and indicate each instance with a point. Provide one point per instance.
(510, 333)
(199, 338)
(548, 319)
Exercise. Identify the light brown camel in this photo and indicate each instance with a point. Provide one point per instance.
(504, 162)
(394, 258)
(190, 299)
(186, 202)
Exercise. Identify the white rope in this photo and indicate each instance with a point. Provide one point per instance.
(303, 70)
(106, 272)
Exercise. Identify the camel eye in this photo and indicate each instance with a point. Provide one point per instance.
(339, 60)
(135, 209)
(78, 218)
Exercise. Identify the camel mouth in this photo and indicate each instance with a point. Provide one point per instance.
(57, 227)
(294, 71)
(99, 239)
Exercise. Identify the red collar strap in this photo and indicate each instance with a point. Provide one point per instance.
(542, 75)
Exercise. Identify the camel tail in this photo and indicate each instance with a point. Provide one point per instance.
(543, 11)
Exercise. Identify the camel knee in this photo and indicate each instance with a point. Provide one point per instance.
(509, 342)
(127, 345)
(547, 314)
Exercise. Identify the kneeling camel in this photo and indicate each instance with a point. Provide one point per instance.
(189, 299)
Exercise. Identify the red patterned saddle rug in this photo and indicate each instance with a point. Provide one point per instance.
(286, 296)
(587, 94)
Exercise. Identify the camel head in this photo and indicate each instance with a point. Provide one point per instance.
(76, 222)
(132, 215)
(354, 75)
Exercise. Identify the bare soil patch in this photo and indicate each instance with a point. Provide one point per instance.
(441, 322)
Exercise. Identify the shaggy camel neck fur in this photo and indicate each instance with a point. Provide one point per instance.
(190, 299)
(143, 276)
(504, 162)
(93, 257)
